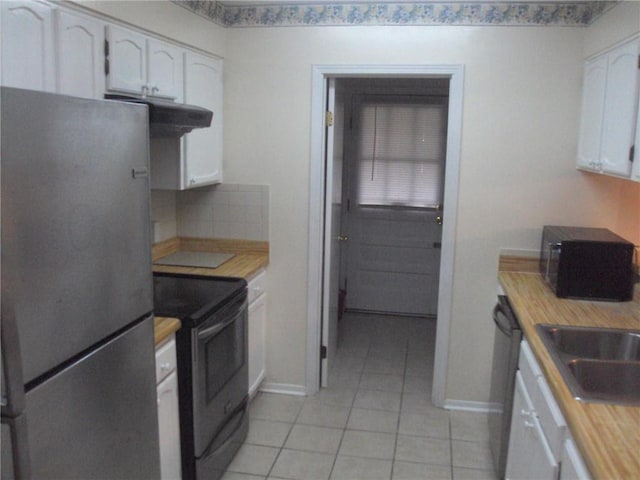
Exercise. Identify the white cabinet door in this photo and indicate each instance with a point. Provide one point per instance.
(593, 90)
(202, 148)
(529, 454)
(164, 70)
(169, 427)
(257, 325)
(620, 109)
(80, 55)
(27, 46)
(127, 61)
(609, 114)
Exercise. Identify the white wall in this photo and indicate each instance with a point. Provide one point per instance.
(521, 107)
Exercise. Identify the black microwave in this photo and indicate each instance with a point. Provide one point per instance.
(587, 263)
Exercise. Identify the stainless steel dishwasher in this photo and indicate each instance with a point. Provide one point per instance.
(506, 349)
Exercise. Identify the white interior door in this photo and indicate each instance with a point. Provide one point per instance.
(396, 183)
(332, 234)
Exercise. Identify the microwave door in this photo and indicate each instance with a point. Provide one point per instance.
(553, 258)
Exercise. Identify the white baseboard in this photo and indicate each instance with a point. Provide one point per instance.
(283, 388)
(468, 406)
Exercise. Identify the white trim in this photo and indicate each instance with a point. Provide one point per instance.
(283, 388)
(316, 207)
(463, 405)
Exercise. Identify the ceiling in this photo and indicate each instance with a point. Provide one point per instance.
(283, 13)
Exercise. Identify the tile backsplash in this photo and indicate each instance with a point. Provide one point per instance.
(219, 211)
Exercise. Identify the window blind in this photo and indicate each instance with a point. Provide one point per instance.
(401, 154)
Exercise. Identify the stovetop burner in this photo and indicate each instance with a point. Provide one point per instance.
(192, 297)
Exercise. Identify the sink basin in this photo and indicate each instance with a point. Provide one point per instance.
(597, 364)
(596, 343)
(607, 379)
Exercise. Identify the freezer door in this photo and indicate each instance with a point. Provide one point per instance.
(76, 261)
(98, 419)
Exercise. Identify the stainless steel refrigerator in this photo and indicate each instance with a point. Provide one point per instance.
(78, 369)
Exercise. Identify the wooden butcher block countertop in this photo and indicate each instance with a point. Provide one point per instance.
(164, 327)
(608, 436)
(249, 256)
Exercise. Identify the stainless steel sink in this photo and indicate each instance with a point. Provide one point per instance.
(596, 343)
(607, 379)
(597, 364)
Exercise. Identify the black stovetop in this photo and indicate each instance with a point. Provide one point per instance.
(193, 297)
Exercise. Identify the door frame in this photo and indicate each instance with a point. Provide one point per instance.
(317, 179)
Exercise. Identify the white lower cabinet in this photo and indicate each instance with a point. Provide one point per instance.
(529, 452)
(257, 331)
(168, 410)
(538, 428)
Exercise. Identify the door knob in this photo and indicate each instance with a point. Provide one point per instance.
(342, 238)
(439, 220)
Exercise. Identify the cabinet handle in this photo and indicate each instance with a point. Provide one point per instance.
(165, 367)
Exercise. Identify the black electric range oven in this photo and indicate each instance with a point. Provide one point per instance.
(213, 380)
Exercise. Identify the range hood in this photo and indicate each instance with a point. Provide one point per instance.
(167, 118)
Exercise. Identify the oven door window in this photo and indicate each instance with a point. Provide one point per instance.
(224, 356)
(221, 369)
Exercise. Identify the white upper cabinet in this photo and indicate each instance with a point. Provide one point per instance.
(620, 109)
(164, 70)
(142, 66)
(610, 111)
(80, 55)
(202, 148)
(28, 59)
(593, 91)
(127, 52)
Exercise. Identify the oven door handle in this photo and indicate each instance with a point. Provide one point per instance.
(215, 329)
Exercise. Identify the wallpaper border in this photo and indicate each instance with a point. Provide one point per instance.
(570, 13)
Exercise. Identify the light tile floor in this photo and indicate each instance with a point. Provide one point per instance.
(374, 421)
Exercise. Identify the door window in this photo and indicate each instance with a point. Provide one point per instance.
(401, 151)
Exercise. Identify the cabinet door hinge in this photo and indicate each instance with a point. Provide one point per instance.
(329, 119)
(632, 152)
(106, 57)
(323, 352)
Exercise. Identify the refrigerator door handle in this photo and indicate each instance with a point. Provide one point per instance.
(13, 401)
(20, 461)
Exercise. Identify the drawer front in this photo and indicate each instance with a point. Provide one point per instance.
(165, 359)
(257, 286)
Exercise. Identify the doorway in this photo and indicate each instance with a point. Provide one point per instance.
(393, 183)
(321, 189)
